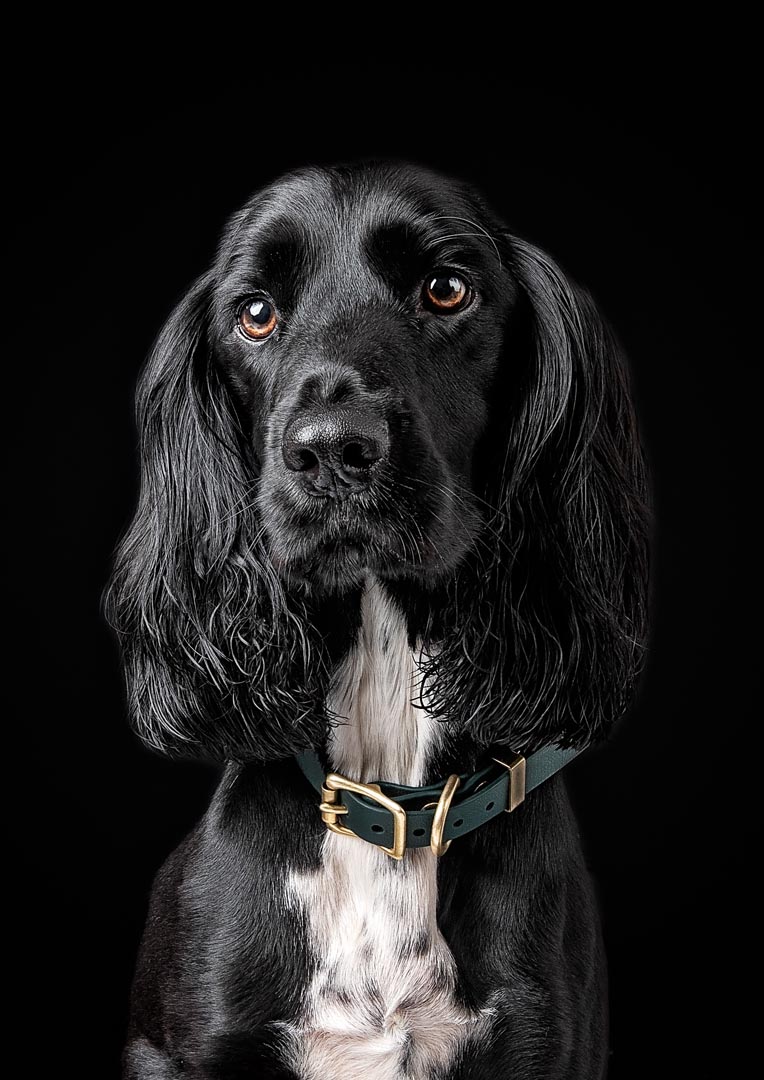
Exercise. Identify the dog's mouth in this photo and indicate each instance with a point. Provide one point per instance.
(340, 558)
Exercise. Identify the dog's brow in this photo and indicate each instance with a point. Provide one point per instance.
(280, 255)
(397, 250)
(399, 237)
(277, 256)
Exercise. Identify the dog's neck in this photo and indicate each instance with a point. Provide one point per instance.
(382, 733)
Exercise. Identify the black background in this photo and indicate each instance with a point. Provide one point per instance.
(642, 193)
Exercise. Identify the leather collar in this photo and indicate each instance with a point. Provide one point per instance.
(396, 817)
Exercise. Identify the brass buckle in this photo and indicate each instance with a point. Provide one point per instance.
(331, 807)
(515, 766)
(438, 845)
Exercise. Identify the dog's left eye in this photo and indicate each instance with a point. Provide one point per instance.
(445, 292)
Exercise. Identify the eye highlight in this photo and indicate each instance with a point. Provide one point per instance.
(258, 318)
(445, 292)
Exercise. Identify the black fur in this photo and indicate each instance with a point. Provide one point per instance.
(507, 517)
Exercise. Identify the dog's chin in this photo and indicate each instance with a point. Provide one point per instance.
(339, 564)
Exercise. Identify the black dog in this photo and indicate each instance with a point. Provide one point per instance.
(392, 526)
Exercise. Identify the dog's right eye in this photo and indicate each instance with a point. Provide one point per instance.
(258, 318)
(446, 292)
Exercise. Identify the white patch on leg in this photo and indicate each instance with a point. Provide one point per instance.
(381, 1002)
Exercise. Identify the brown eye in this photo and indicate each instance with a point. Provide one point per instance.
(257, 317)
(446, 292)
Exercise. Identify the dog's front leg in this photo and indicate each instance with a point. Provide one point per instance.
(142, 1061)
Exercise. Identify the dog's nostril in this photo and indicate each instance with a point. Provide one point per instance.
(305, 460)
(360, 455)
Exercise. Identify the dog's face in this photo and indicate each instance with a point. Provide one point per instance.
(358, 320)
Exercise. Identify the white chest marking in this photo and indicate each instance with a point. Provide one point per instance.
(380, 1005)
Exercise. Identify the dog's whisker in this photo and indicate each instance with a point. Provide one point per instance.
(465, 499)
(480, 231)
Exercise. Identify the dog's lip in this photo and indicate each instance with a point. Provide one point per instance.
(361, 551)
(351, 548)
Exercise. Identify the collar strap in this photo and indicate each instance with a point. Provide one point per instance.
(396, 817)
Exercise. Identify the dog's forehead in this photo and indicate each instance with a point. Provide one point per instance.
(325, 226)
(347, 204)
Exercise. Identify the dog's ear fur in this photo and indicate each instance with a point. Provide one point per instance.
(219, 660)
(543, 637)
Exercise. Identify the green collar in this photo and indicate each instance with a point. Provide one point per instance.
(396, 817)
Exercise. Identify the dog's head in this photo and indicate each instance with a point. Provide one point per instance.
(375, 377)
(357, 319)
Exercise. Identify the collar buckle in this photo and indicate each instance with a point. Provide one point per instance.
(331, 807)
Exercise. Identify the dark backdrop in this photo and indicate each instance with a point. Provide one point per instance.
(640, 193)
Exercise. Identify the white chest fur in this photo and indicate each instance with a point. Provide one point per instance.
(380, 1005)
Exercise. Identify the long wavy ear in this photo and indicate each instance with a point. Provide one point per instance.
(545, 628)
(218, 660)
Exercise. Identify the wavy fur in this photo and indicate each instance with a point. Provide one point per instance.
(542, 635)
(218, 657)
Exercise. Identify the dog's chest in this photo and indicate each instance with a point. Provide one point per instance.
(381, 1003)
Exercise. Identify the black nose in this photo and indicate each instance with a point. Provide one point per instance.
(335, 450)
